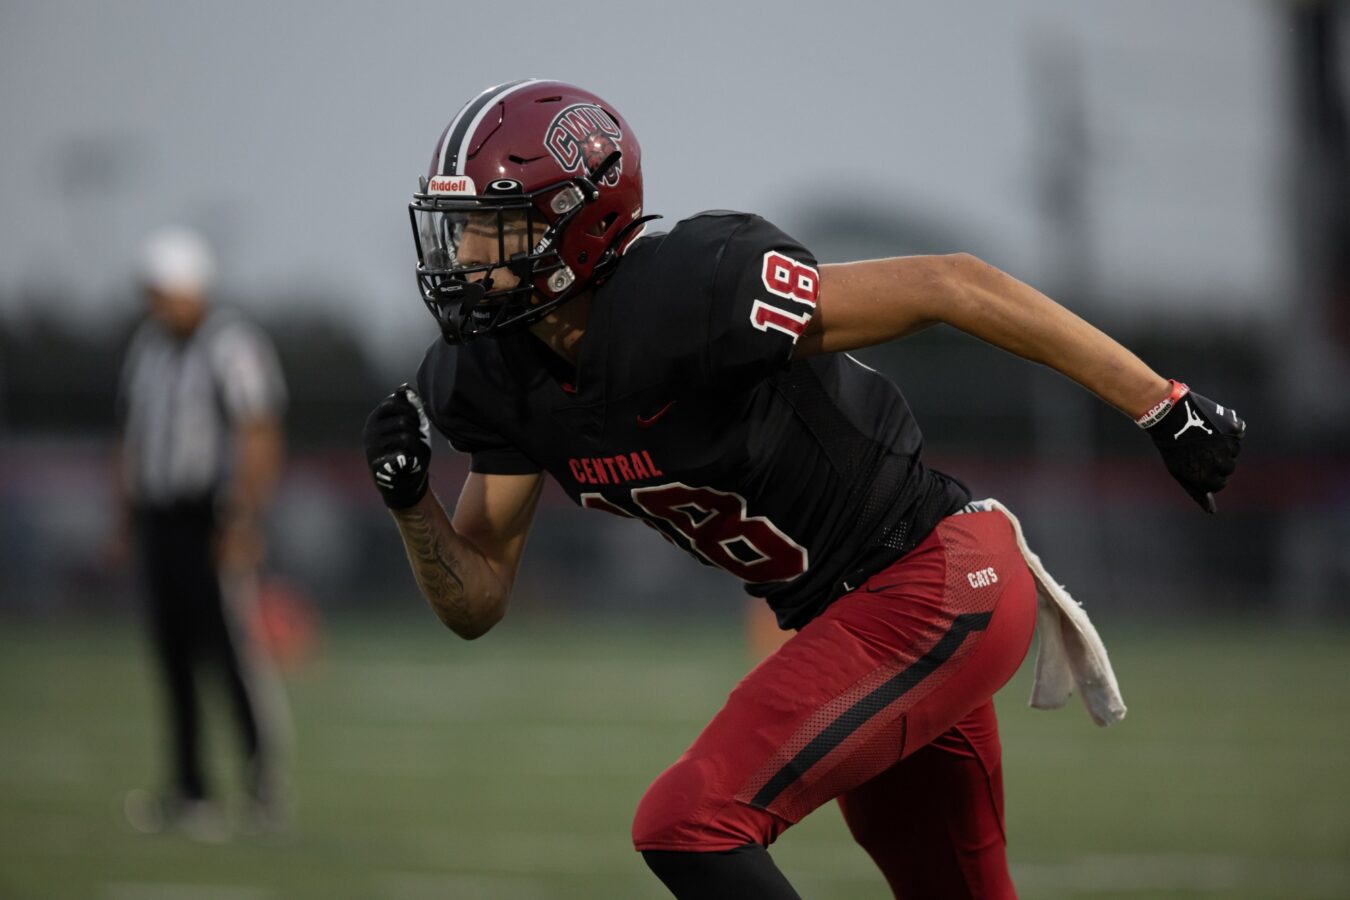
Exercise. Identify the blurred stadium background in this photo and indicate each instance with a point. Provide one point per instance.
(1178, 174)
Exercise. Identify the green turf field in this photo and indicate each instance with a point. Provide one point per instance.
(508, 768)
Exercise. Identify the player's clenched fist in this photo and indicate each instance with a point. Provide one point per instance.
(1199, 441)
(398, 447)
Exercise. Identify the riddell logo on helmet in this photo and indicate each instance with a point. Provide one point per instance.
(581, 137)
(451, 184)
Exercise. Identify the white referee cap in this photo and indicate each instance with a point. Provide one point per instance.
(177, 259)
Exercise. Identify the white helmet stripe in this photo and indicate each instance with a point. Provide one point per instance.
(453, 134)
(455, 145)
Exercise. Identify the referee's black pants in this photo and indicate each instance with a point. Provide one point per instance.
(193, 631)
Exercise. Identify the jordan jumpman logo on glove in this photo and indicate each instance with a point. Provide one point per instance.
(1199, 441)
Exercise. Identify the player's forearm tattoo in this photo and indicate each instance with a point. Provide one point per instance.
(435, 567)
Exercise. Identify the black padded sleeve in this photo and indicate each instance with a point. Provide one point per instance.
(454, 416)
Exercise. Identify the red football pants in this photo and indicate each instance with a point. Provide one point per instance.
(884, 702)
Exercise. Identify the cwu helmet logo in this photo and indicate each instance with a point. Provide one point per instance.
(581, 137)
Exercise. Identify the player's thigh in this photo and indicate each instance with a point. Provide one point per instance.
(829, 710)
(935, 636)
(694, 804)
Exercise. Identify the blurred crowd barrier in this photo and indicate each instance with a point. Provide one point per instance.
(1117, 531)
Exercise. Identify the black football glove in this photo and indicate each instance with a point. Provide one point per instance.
(1199, 441)
(398, 447)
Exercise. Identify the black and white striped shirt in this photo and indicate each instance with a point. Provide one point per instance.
(181, 400)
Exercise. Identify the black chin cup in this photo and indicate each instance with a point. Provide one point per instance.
(452, 303)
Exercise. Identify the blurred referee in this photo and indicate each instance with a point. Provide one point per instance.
(200, 404)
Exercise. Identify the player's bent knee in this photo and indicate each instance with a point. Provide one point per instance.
(686, 809)
(668, 814)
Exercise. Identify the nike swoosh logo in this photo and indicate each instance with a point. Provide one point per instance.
(648, 422)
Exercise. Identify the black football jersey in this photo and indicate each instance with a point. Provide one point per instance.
(686, 410)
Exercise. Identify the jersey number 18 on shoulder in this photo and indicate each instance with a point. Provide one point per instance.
(784, 277)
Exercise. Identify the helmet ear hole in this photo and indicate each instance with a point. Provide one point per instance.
(599, 228)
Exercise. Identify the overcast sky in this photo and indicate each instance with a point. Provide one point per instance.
(294, 132)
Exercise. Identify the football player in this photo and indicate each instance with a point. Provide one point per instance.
(699, 381)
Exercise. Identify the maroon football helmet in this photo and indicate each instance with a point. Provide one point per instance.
(544, 157)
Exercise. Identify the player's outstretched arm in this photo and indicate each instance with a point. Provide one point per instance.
(466, 568)
(866, 303)
(871, 302)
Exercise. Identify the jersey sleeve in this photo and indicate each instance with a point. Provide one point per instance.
(251, 383)
(448, 410)
(764, 294)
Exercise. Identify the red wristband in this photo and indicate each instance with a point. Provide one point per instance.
(1164, 406)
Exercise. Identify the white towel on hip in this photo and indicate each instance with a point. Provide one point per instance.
(1070, 651)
